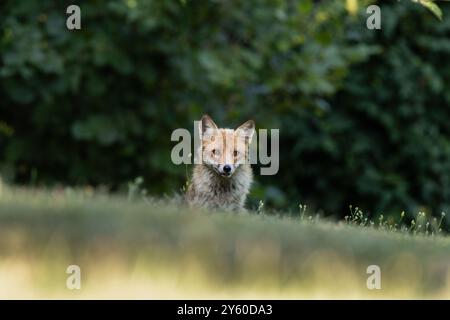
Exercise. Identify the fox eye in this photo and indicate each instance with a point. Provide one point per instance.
(236, 153)
(214, 151)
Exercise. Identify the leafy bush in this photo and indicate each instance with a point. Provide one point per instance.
(383, 143)
(98, 105)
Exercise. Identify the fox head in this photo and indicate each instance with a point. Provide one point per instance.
(224, 150)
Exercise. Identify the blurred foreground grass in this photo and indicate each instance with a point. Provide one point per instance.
(138, 249)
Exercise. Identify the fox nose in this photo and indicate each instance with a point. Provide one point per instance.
(226, 168)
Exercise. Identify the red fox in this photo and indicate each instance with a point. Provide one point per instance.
(222, 181)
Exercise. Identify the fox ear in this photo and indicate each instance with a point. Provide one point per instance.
(207, 123)
(247, 129)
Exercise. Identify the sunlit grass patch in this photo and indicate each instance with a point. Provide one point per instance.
(130, 248)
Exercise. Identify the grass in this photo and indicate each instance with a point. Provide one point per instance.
(153, 249)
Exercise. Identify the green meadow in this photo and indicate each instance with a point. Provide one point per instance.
(152, 249)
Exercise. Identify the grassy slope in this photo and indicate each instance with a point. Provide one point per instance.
(154, 250)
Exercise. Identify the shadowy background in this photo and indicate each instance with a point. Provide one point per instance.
(363, 114)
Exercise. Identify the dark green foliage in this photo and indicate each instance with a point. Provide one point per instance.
(362, 113)
(384, 141)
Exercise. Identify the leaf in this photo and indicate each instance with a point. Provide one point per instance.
(434, 8)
